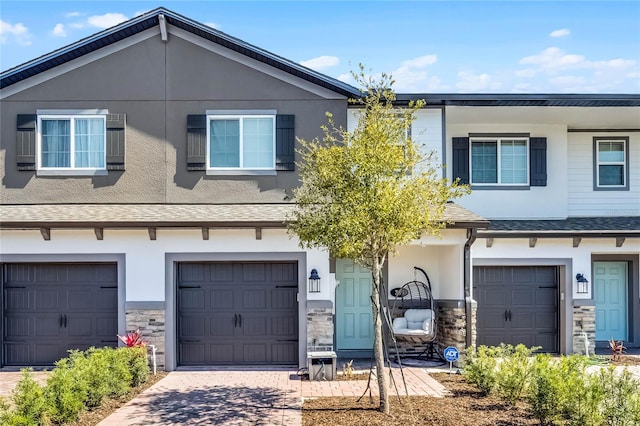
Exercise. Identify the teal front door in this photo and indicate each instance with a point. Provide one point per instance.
(611, 287)
(354, 325)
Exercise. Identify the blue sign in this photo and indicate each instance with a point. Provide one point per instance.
(451, 354)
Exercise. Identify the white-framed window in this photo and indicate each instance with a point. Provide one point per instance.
(611, 163)
(241, 142)
(71, 142)
(499, 160)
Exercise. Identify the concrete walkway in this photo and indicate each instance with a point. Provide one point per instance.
(244, 397)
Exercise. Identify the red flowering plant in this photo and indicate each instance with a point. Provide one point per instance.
(133, 339)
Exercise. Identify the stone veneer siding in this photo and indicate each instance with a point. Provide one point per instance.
(150, 322)
(584, 320)
(320, 325)
(451, 330)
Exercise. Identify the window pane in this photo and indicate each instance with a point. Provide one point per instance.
(484, 162)
(611, 151)
(611, 175)
(89, 142)
(513, 161)
(257, 143)
(56, 143)
(224, 149)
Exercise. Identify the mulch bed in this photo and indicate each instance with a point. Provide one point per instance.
(465, 406)
(93, 417)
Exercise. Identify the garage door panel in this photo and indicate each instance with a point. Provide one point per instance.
(283, 327)
(254, 299)
(284, 353)
(222, 325)
(193, 353)
(192, 273)
(106, 299)
(47, 326)
(221, 299)
(249, 307)
(254, 326)
(193, 326)
(522, 297)
(254, 272)
(517, 304)
(38, 299)
(17, 327)
(255, 353)
(17, 299)
(192, 299)
(283, 298)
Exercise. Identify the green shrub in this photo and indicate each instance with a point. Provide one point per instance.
(480, 367)
(66, 392)
(544, 389)
(578, 398)
(138, 364)
(120, 378)
(94, 369)
(514, 371)
(29, 400)
(618, 391)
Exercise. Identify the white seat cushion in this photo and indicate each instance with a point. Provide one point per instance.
(416, 322)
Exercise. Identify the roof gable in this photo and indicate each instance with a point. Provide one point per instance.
(152, 19)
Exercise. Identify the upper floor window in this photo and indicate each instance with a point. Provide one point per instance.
(611, 163)
(241, 142)
(499, 161)
(70, 142)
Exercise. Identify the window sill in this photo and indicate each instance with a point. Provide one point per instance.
(213, 172)
(71, 172)
(500, 187)
(610, 188)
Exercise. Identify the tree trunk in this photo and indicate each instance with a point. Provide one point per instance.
(378, 349)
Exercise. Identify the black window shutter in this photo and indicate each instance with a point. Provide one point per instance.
(26, 141)
(196, 142)
(461, 159)
(285, 142)
(538, 161)
(116, 124)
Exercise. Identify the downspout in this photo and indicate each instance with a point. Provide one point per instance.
(471, 238)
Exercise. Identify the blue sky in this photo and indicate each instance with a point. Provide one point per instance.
(428, 46)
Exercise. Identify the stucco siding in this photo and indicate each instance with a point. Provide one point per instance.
(583, 199)
(157, 85)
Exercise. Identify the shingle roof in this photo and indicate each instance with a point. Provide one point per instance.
(150, 19)
(524, 99)
(170, 215)
(603, 224)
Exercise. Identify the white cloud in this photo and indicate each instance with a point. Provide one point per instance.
(72, 14)
(346, 78)
(413, 76)
(212, 25)
(560, 33)
(59, 31)
(470, 82)
(107, 20)
(527, 72)
(321, 62)
(16, 32)
(77, 25)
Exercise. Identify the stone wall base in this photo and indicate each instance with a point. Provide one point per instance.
(319, 325)
(584, 323)
(150, 322)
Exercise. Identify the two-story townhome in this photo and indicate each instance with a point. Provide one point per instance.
(558, 177)
(146, 180)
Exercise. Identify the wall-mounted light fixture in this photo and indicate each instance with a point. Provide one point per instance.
(583, 284)
(314, 281)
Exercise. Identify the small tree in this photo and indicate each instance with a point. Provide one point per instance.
(368, 191)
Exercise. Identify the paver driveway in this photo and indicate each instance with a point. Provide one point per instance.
(243, 397)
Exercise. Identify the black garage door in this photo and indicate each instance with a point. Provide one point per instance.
(517, 304)
(237, 313)
(51, 308)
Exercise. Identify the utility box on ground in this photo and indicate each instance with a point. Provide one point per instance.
(322, 365)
